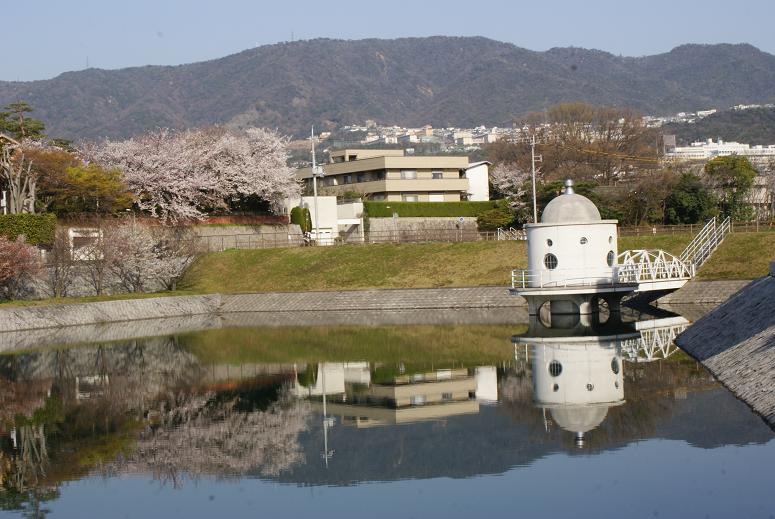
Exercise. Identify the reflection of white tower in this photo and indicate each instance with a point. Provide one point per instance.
(578, 382)
(577, 373)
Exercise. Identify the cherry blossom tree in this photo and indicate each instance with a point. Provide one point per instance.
(180, 175)
(19, 264)
(513, 183)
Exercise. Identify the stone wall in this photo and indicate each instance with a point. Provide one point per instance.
(736, 342)
(419, 229)
(704, 292)
(57, 316)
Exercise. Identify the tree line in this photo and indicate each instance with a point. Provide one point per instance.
(615, 161)
(171, 177)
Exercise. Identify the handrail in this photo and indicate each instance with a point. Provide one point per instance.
(706, 241)
(635, 267)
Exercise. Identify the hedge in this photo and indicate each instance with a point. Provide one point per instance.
(38, 229)
(430, 209)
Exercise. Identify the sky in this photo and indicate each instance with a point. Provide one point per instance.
(43, 38)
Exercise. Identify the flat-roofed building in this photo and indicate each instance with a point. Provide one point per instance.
(394, 176)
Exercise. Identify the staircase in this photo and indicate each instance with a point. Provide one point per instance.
(706, 242)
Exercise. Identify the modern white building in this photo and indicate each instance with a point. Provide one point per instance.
(706, 150)
(478, 175)
(333, 218)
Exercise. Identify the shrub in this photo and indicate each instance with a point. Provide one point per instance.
(19, 263)
(431, 209)
(493, 219)
(301, 217)
(37, 229)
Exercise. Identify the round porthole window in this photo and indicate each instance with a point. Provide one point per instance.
(615, 366)
(583, 240)
(555, 368)
(590, 387)
(549, 243)
(610, 258)
(556, 388)
(610, 239)
(550, 261)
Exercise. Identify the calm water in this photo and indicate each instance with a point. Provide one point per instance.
(575, 420)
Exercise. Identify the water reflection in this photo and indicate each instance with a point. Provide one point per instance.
(162, 409)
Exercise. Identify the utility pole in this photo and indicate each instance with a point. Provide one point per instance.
(533, 159)
(315, 187)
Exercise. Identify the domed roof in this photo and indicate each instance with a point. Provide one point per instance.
(579, 418)
(570, 208)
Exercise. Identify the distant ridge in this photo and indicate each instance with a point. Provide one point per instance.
(444, 81)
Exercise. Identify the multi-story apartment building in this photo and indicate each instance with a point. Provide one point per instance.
(391, 175)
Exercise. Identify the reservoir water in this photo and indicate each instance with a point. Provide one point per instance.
(379, 419)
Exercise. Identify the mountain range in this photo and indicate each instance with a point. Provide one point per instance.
(443, 81)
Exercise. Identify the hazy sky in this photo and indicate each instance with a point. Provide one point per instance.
(43, 38)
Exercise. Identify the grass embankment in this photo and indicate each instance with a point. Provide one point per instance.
(745, 255)
(460, 345)
(416, 265)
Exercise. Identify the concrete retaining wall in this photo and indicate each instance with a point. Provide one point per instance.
(55, 316)
(736, 342)
(420, 298)
(704, 292)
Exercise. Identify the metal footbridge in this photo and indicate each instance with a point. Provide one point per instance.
(635, 270)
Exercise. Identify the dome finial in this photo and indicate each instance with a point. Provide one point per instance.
(569, 187)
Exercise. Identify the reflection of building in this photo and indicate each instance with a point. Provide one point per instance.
(578, 370)
(364, 398)
(577, 375)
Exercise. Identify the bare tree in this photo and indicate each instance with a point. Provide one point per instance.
(20, 179)
(60, 269)
(176, 249)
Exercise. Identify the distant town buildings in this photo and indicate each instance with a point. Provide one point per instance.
(706, 150)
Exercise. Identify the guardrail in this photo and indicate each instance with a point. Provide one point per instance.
(641, 266)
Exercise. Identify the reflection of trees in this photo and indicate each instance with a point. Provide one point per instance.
(197, 435)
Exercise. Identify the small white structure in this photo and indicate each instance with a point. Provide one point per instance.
(335, 218)
(571, 258)
(478, 175)
(572, 243)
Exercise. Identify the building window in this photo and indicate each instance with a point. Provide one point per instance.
(360, 177)
(347, 179)
(408, 174)
(446, 396)
(380, 175)
(615, 366)
(555, 368)
(417, 400)
(409, 198)
(583, 240)
(550, 261)
(437, 175)
(610, 239)
(610, 258)
(549, 243)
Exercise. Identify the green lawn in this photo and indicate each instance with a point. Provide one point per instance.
(745, 255)
(417, 265)
(462, 345)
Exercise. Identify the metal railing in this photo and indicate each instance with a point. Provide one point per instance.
(706, 242)
(511, 234)
(636, 267)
